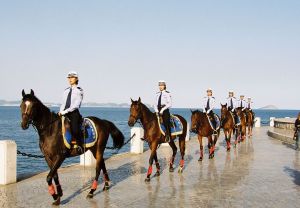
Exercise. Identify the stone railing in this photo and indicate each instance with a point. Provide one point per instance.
(284, 123)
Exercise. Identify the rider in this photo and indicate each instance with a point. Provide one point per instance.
(208, 106)
(249, 104)
(163, 105)
(231, 103)
(72, 99)
(242, 103)
(297, 133)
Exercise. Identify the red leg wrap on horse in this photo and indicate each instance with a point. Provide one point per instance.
(51, 189)
(181, 163)
(95, 185)
(149, 170)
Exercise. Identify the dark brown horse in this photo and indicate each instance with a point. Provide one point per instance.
(243, 126)
(154, 137)
(250, 121)
(201, 126)
(228, 124)
(49, 127)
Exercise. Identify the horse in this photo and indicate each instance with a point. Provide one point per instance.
(228, 124)
(250, 121)
(49, 127)
(242, 128)
(154, 137)
(201, 126)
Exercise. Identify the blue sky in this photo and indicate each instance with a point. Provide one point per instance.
(122, 48)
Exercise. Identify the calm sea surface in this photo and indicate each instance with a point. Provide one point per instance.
(27, 141)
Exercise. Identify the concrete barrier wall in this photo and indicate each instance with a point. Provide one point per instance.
(8, 162)
(284, 123)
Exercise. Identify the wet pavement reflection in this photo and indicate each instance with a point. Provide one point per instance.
(260, 172)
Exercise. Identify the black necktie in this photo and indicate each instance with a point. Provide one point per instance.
(248, 105)
(207, 104)
(68, 102)
(159, 100)
(241, 104)
(231, 103)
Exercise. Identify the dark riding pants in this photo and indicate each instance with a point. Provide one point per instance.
(212, 118)
(75, 122)
(166, 119)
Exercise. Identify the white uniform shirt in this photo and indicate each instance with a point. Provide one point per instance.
(242, 104)
(76, 99)
(211, 104)
(233, 101)
(249, 104)
(166, 101)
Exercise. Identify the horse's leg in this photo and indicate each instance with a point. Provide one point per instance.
(227, 136)
(57, 184)
(182, 152)
(174, 148)
(210, 146)
(201, 148)
(56, 164)
(157, 165)
(98, 155)
(152, 155)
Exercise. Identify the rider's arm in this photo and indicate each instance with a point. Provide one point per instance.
(168, 102)
(211, 105)
(155, 104)
(204, 104)
(245, 106)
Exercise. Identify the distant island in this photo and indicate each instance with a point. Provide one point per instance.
(88, 104)
(269, 107)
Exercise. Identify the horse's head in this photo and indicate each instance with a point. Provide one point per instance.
(224, 110)
(28, 109)
(239, 111)
(135, 112)
(195, 120)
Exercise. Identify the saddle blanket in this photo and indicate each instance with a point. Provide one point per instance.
(89, 133)
(217, 120)
(176, 126)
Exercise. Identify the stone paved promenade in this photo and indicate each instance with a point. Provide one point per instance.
(260, 172)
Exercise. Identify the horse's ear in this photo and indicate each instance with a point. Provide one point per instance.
(131, 100)
(31, 92)
(226, 104)
(191, 110)
(23, 93)
(139, 100)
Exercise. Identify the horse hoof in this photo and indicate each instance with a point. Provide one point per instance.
(228, 149)
(56, 202)
(105, 188)
(171, 169)
(180, 170)
(90, 196)
(147, 180)
(157, 174)
(200, 159)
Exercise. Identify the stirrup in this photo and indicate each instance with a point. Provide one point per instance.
(167, 138)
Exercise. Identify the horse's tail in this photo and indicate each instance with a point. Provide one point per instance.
(116, 134)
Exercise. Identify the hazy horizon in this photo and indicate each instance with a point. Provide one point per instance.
(122, 48)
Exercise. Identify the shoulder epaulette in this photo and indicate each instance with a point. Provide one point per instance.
(79, 88)
(67, 88)
(167, 91)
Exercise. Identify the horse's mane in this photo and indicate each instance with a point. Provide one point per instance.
(42, 108)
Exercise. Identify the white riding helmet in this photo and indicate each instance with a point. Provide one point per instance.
(162, 82)
(72, 74)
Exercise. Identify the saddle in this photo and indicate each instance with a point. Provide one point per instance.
(176, 125)
(217, 120)
(89, 133)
